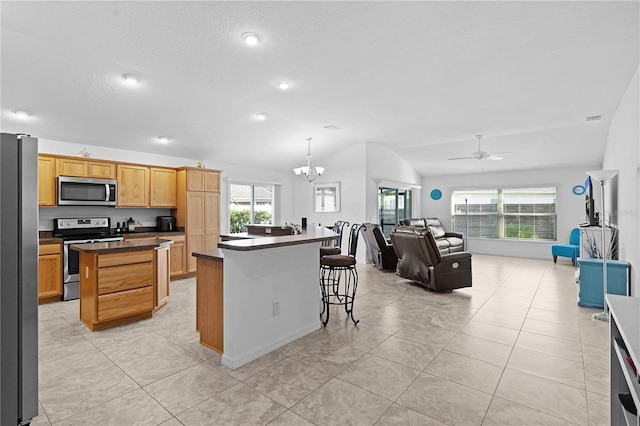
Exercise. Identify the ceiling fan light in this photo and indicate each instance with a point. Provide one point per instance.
(21, 114)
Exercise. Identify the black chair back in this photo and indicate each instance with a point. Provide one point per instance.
(338, 228)
(353, 239)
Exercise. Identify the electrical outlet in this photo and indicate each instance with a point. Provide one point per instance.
(276, 308)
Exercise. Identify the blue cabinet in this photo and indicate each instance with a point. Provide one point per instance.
(591, 291)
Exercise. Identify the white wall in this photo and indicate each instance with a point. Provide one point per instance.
(622, 152)
(569, 207)
(358, 167)
(383, 164)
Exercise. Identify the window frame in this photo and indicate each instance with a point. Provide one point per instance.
(501, 216)
(252, 185)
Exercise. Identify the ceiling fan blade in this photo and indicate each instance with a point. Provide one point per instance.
(497, 156)
(462, 158)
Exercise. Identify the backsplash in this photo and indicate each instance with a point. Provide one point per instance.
(143, 217)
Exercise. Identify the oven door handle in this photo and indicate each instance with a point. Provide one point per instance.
(108, 191)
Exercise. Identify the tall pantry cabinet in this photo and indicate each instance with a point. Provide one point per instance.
(198, 209)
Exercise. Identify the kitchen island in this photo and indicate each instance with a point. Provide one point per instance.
(255, 295)
(122, 281)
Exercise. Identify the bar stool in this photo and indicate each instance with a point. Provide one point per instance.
(331, 271)
(338, 228)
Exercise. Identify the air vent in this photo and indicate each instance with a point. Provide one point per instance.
(332, 127)
(594, 118)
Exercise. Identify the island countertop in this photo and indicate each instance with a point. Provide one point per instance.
(309, 235)
(121, 246)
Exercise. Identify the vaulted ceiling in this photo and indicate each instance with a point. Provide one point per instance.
(418, 77)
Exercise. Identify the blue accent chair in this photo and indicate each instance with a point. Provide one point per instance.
(571, 250)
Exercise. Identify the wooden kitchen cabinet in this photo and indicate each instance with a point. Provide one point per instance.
(46, 181)
(49, 273)
(177, 264)
(86, 168)
(202, 180)
(161, 269)
(101, 170)
(197, 210)
(163, 187)
(71, 167)
(116, 288)
(133, 186)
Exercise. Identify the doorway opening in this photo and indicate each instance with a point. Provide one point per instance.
(394, 204)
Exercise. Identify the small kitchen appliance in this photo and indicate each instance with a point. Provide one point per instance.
(165, 223)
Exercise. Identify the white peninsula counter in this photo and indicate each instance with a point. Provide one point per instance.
(255, 295)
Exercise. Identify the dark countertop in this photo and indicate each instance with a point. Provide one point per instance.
(50, 240)
(147, 234)
(310, 235)
(215, 254)
(121, 246)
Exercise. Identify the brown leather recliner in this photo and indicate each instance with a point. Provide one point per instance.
(381, 252)
(448, 242)
(419, 260)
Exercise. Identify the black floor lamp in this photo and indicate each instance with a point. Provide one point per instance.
(603, 176)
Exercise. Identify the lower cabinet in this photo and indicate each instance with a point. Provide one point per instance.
(49, 273)
(177, 263)
(116, 288)
(125, 303)
(162, 274)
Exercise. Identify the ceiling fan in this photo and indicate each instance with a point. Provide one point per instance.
(482, 155)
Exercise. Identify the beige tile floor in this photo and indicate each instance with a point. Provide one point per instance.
(513, 350)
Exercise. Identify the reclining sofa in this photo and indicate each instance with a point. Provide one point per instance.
(380, 251)
(447, 242)
(420, 260)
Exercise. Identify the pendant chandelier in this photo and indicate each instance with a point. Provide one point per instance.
(309, 172)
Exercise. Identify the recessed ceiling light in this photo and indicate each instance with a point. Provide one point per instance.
(163, 139)
(251, 38)
(131, 79)
(283, 85)
(261, 116)
(21, 113)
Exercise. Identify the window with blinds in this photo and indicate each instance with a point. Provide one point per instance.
(509, 213)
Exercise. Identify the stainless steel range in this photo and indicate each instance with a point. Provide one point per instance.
(79, 231)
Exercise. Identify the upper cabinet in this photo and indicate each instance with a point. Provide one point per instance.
(86, 168)
(202, 180)
(46, 181)
(133, 186)
(138, 185)
(163, 187)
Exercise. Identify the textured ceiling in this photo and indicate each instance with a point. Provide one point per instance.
(419, 77)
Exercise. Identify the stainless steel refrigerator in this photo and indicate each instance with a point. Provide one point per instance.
(18, 279)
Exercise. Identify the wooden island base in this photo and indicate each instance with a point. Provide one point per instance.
(122, 282)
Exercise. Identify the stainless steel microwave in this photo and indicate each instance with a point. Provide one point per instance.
(74, 191)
